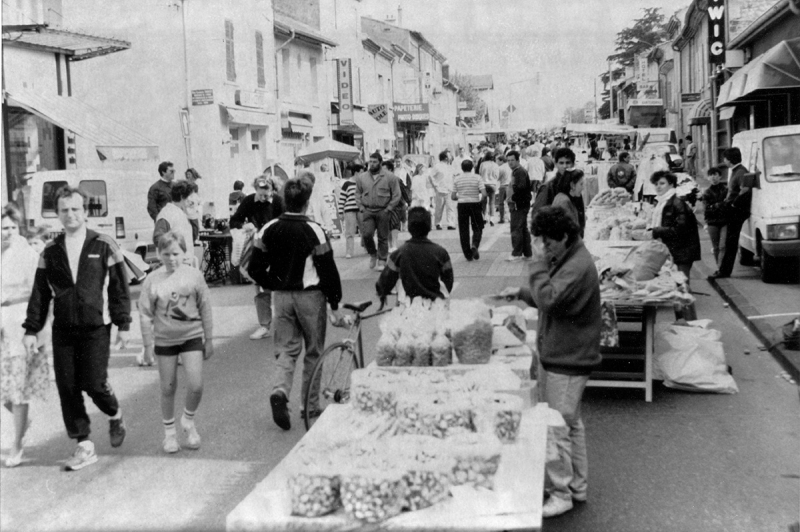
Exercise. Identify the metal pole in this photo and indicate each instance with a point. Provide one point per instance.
(187, 93)
(610, 91)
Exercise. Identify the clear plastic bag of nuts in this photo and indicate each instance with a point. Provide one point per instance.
(499, 414)
(372, 391)
(314, 492)
(437, 415)
(373, 495)
(476, 457)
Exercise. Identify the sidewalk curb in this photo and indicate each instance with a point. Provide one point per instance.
(768, 335)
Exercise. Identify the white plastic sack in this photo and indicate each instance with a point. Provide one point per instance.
(694, 360)
(238, 237)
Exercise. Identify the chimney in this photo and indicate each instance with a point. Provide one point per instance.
(399, 16)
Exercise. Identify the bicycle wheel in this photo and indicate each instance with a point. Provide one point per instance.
(330, 381)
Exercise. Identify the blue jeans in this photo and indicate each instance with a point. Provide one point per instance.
(300, 318)
(568, 475)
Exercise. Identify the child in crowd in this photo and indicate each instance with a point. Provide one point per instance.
(38, 237)
(175, 313)
(419, 263)
(348, 205)
(715, 216)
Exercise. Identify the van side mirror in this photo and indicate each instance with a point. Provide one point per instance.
(752, 179)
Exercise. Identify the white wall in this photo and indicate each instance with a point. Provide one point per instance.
(144, 87)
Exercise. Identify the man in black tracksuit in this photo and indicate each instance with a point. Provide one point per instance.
(293, 258)
(83, 272)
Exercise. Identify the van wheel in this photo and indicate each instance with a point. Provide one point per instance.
(746, 257)
(770, 268)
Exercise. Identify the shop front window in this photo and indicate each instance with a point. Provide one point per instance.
(35, 144)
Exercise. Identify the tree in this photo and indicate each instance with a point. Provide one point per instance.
(471, 95)
(646, 31)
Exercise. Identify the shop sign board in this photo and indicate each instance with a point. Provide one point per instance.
(716, 32)
(462, 104)
(344, 69)
(412, 112)
(689, 97)
(467, 113)
(203, 97)
(379, 112)
(642, 101)
(254, 99)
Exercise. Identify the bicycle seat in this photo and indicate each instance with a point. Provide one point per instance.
(358, 307)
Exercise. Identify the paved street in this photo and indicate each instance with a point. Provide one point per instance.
(683, 462)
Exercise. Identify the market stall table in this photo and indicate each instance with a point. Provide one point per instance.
(216, 256)
(645, 313)
(514, 504)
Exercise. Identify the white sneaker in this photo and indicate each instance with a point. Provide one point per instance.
(171, 444)
(261, 332)
(392, 249)
(348, 256)
(84, 456)
(513, 258)
(556, 506)
(191, 435)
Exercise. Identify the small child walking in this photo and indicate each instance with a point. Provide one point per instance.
(175, 314)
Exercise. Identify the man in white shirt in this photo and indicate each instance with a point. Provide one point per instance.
(503, 181)
(536, 170)
(442, 180)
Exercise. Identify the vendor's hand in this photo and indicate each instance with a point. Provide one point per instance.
(208, 349)
(338, 318)
(249, 228)
(29, 341)
(538, 251)
(510, 293)
(122, 339)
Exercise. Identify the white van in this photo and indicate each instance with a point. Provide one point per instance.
(772, 233)
(117, 204)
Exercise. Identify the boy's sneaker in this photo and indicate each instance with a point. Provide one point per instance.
(191, 435)
(116, 431)
(373, 260)
(475, 254)
(556, 506)
(260, 333)
(84, 456)
(348, 256)
(381, 265)
(280, 412)
(171, 444)
(514, 258)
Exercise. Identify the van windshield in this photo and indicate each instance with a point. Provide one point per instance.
(782, 158)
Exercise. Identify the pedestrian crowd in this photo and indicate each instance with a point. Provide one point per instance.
(76, 285)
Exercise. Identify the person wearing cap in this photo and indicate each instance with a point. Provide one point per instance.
(253, 213)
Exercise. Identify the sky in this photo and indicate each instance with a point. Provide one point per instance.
(566, 40)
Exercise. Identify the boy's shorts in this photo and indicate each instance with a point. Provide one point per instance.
(194, 344)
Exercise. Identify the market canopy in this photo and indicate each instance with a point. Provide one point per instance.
(777, 68)
(328, 148)
(600, 129)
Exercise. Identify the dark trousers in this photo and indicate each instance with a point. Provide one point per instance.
(728, 257)
(520, 234)
(470, 214)
(80, 360)
(382, 222)
(501, 202)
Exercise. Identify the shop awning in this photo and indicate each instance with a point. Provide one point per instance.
(249, 117)
(77, 46)
(726, 113)
(300, 125)
(777, 68)
(112, 140)
(328, 148)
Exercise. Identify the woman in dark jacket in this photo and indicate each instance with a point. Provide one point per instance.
(714, 200)
(675, 225)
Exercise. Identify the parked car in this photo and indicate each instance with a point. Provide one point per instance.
(772, 233)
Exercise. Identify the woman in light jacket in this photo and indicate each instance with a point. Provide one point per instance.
(23, 375)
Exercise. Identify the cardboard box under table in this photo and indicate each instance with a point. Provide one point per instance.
(514, 504)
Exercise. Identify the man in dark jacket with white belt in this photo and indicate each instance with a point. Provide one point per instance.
(564, 286)
(83, 272)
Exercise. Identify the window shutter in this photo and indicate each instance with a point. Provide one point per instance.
(230, 59)
(262, 78)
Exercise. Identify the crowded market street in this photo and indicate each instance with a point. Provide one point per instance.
(400, 265)
(686, 461)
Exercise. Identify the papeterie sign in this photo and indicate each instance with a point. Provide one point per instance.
(412, 112)
(716, 32)
(379, 112)
(345, 82)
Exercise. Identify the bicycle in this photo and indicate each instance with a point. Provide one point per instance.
(330, 378)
